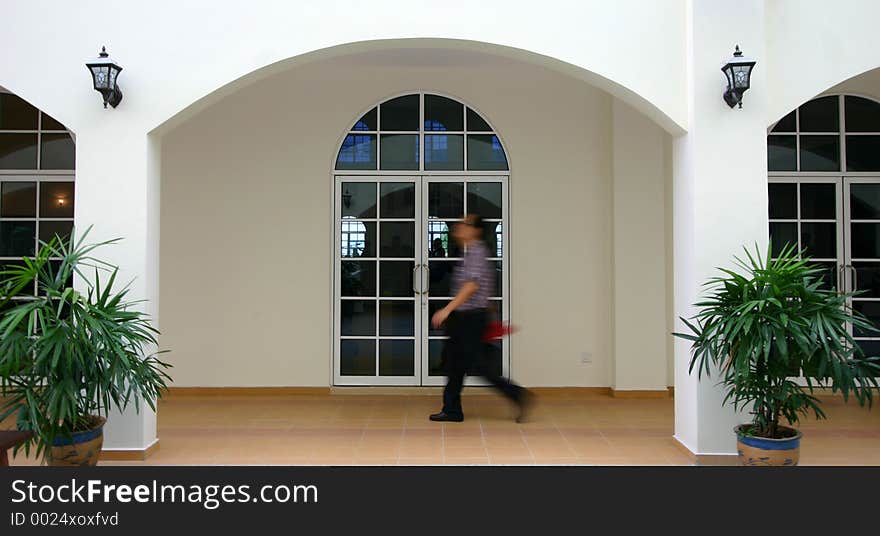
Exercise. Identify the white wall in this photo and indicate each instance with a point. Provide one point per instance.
(246, 189)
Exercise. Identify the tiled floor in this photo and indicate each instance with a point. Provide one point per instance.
(394, 429)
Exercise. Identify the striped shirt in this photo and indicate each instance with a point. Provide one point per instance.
(475, 268)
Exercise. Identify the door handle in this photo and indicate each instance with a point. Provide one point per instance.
(416, 290)
(841, 277)
(855, 278)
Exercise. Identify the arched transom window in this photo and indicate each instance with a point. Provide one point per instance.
(421, 132)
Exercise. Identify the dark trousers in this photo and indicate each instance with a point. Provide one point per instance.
(465, 353)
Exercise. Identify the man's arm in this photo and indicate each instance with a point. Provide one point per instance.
(467, 290)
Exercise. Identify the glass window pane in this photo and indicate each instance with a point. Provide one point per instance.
(444, 152)
(357, 317)
(818, 201)
(397, 239)
(783, 201)
(19, 200)
(440, 279)
(493, 235)
(18, 151)
(869, 348)
(819, 240)
(51, 229)
(50, 123)
(782, 234)
(864, 201)
(435, 357)
(870, 309)
(820, 115)
(820, 153)
(485, 153)
(397, 318)
(493, 357)
(401, 113)
(17, 238)
(443, 114)
(868, 279)
(782, 153)
(396, 279)
(865, 240)
(397, 358)
(475, 123)
(433, 307)
(359, 199)
(484, 198)
(440, 241)
(367, 122)
(829, 274)
(786, 124)
(57, 152)
(400, 151)
(16, 113)
(863, 153)
(398, 200)
(358, 151)
(499, 279)
(862, 115)
(357, 357)
(446, 200)
(56, 199)
(357, 238)
(358, 278)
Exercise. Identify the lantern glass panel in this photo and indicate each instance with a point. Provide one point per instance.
(741, 76)
(101, 75)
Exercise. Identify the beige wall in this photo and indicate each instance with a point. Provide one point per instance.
(246, 218)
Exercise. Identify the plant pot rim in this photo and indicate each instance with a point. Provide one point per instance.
(81, 436)
(739, 433)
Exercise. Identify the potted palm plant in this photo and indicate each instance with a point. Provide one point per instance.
(69, 355)
(775, 331)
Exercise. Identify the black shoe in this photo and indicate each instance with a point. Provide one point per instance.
(445, 417)
(524, 405)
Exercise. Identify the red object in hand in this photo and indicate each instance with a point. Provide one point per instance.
(496, 330)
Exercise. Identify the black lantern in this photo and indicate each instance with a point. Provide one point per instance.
(104, 72)
(738, 71)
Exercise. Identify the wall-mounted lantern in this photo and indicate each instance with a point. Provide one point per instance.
(738, 71)
(104, 73)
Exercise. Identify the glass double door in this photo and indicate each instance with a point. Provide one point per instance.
(837, 221)
(394, 258)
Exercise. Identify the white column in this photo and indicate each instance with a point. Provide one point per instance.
(720, 194)
(117, 192)
(639, 251)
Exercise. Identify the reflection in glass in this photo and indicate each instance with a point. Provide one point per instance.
(401, 113)
(820, 153)
(786, 124)
(445, 200)
(864, 201)
(398, 200)
(869, 348)
(358, 151)
(397, 358)
(819, 240)
(820, 115)
(19, 200)
(358, 278)
(870, 309)
(397, 239)
(357, 238)
(484, 198)
(359, 199)
(863, 153)
(51, 229)
(443, 114)
(367, 122)
(475, 123)
(499, 279)
(444, 152)
(829, 274)
(783, 201)
(50, 123)
(56, 199)
(818, 201)
(433, 307)
(357, 317)
(16, 113)
(17, 238)
(485, 153)
(435, 357)
(865, 240)
(396, 278)
(357, 357)
(57, 151)
(862, 115)
(440, 280)
(399, 151)
(782, 153)
(493, 236)
(867, 279)
(397, 318)
(781, 235)
(18, 151)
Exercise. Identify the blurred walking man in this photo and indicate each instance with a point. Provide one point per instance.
(466, 318)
